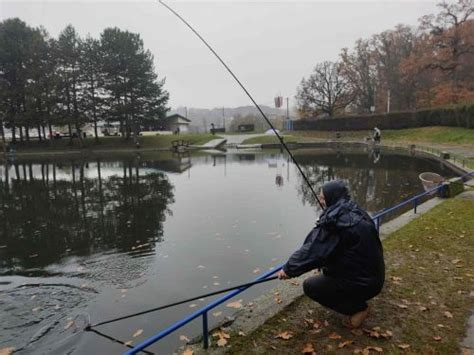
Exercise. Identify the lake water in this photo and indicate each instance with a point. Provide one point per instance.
(103, 237)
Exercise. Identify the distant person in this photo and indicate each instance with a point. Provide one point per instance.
(345, 244)
(376, 155)
(377, 135)
(212, 129)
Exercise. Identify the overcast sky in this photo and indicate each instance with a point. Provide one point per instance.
(270, 46)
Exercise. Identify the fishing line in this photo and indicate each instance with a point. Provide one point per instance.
(251, 98)
(246, 285)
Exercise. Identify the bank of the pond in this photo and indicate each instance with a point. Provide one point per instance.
(435, 135)
(424, 307)
(107, 144)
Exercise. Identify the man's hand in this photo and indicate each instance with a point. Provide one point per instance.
(282, 275)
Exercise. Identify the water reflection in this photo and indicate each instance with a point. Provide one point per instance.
(375, 182)
(112, 236)
(50, 209)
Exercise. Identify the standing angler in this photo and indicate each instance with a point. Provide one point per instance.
(345, 244)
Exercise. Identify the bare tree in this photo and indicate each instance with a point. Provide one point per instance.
(359, 68)
(450, 38)
(325, 91)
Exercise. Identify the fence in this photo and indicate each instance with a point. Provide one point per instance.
(203, 312)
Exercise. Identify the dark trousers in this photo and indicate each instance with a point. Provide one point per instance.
(337, 294)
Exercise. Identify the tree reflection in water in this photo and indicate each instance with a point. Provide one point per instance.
(50, 210)
(384, 182)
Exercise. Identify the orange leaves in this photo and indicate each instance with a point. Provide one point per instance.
(223, 336)
(284, 335)
(236, 304)
(404, 346)
(334, 336)
(188, 352)
(344, 344)
(308, 349)
(6, 351)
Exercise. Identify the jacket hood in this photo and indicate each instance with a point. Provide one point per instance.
(334, 191)
(341, 212)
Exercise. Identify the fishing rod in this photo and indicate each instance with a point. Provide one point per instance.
(251, 98)
(242, 286)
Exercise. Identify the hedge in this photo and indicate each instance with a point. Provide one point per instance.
(455, 116)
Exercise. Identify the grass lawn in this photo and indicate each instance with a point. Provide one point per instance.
(423, 309)
(436, 135)
(111, 143)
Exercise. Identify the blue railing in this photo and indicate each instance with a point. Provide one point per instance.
(204, 311)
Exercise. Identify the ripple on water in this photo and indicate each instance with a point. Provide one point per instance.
(36, 316)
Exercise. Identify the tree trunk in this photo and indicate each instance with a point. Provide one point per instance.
(96, 134)
(39, 132)
(70, 133)
(13, 134)
(27, 134)
(4, 141)
(50, 132)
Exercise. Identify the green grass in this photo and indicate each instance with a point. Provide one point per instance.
(426, 301)
(113, 143)
(437, 135)
(273, 139)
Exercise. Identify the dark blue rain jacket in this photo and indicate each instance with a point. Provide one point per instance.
(345, 244)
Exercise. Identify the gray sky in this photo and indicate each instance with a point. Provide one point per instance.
(269, 45)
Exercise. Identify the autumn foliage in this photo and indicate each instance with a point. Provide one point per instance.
(408, 68)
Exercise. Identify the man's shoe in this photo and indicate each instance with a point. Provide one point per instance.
(356, 320)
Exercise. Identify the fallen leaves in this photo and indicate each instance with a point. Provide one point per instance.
(284, 335)
(308, 349)
(137, 333)
(184, 338)
(7, 351)
(437, 338)
(374, 348)
(217, 314)
(68, 325)
(404, 346)
(188, 352)
(344, 344)
(236, 304)
(334, 336)
(223, 336)
(448, 314)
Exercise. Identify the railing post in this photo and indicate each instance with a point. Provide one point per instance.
(378, 224)
(205, 331)
(415, 202)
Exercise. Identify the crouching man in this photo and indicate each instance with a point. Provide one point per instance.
(345, 244)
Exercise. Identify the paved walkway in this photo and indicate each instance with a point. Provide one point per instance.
(214, 143)
(239, 138)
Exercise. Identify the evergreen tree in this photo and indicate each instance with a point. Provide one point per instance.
(135, 95)
(69, 86)
(15, 42)
(92, 77)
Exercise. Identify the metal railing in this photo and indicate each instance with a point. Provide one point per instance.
(203, 312)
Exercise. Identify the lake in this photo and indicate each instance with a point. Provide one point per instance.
(102, 237)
